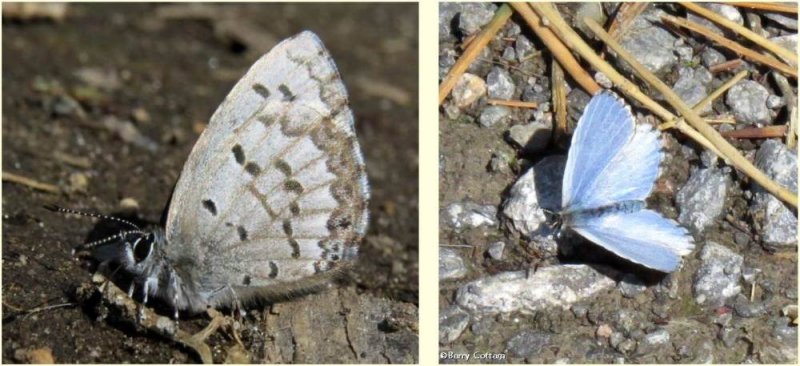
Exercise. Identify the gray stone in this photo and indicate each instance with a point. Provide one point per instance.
(448, 11)
(470, 215)
(467, 90)
(528, 343)
(691, 87)
(452, 322)
(650, 44)
(748, 101)
(451, 265)
(537, 93)
(626, 320)
(630, 286)
(500, 84)
(717, 279)
(452, 111)
(749, 274)
(494, 114)
(539, 187)
(447, 58)
(499, 163)
(603, 80)
(786, 21)
(496, 249)
(592, 11)
(512, 29)
(788, 42)
(702, 199)
(712, 57)
(778, 222)
(509, 54)
(532, 137)
(654, 340)
(474, 16)
(746, 309)
(523, 47)
(548, 288)
(615, 339)
(775, 102)
(726, 11)
(684, 53)
(627, 346)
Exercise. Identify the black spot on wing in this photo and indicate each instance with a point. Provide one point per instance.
(238, 154)
(246, 280)
(210, 206)
(294, 208)
(287, 227)
(295, 248)
(266, 120)
(261, 90)
(242, 233)
(287, 94)
(293, 186)
(252, 168)
(273, 270)
(284, 167)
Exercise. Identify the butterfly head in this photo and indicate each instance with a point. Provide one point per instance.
(136, 250)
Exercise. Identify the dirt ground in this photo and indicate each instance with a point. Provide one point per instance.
(466, 150)
(166, 68)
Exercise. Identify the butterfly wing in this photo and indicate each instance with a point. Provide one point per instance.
(644, 237)
(610, 160)
(275, 189)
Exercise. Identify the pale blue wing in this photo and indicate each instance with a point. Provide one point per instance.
(644, 237)
(610, 160)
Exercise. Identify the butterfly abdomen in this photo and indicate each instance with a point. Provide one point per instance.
(572, 217)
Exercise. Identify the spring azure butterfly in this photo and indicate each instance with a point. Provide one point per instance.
(272, 200)
(610, 171)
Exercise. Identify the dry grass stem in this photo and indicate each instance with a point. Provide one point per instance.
(744, 32)
(513, 103)
(558, 49)
(733, 46)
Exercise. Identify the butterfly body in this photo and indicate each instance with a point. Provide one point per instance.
(272, 200)
(611, 169)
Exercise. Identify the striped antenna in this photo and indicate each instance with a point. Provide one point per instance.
(107, 240)
(65, 211)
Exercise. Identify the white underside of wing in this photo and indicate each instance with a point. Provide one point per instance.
(644, 237)
(275, 188)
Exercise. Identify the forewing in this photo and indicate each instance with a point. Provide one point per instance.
(275, 188)
(603, 130)
(631, 174)
(644, 237)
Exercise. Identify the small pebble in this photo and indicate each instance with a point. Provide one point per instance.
(78, 182)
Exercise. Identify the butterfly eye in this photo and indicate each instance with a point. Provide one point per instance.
(142, 249)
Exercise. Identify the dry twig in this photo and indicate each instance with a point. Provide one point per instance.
(778, 7)
(25, 181)
(513, 103)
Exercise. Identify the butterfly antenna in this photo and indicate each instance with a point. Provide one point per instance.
(107, 240)
(65, 211)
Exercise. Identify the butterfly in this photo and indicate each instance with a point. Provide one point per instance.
(272, 200)
(611, 168)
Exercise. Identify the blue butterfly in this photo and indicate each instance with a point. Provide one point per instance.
(611, 167)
